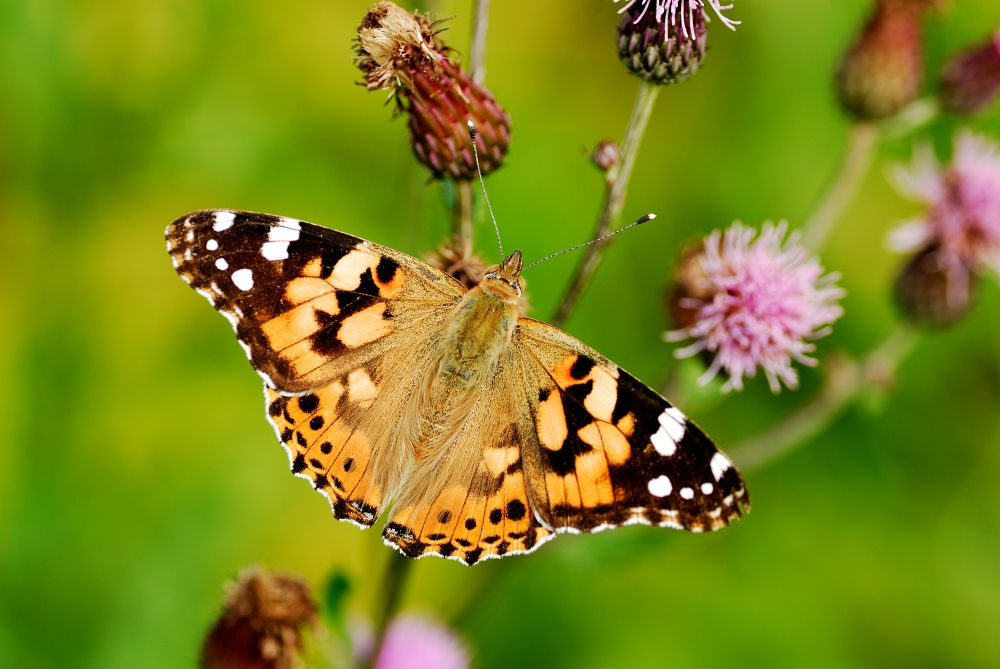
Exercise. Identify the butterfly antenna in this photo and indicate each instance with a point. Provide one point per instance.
(475, 152)
(644, 219)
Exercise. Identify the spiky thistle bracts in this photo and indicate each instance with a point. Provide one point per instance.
(402, 53)
(754, 304)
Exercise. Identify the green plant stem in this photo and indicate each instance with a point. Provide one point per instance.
(861, 146)
(462, 215)
(396, 571)
(845, 381)
(617, 181)
(477, 51)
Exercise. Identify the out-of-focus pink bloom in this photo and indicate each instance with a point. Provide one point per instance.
(757, 304)
(411, 643)
(962, 217)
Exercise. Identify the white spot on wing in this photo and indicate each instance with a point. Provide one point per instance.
(212, 245)
(687, 493)
(660, 486)
(291, 223)
(720, 463)
(707, 488)
(279, 233)
(275, 250)
(662, 442)
(670, 433)
(222, 264)
(243, 278)
(223, 220)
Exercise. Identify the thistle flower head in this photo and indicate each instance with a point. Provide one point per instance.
(665, 42)
(261, 624)
(971, 80)
(883, 71)
(401, 52)
(679, 12)
(960, 228)
(755, 304)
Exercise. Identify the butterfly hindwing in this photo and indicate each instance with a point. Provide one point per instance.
(474, 505)
(307, 303)
(609, 451)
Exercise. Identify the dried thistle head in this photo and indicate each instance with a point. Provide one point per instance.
(261, 623)
(393, 43)
(401, 52)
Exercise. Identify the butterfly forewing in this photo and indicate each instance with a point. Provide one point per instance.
(308, 303)
(612, 452)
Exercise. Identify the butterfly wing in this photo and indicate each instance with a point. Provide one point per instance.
(605, 450)
(308, 303)
(339, 328)
(474, 505)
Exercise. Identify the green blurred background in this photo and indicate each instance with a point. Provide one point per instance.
(137, 472)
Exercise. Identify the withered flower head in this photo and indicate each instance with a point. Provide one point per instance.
(971, 80)
(883, 71)
(261, 623)
(935, 291)
(606, 155)
(401, 52)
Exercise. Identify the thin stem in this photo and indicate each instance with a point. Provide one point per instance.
(462, 215)
(396, 571)
(617, 182)
(477, 51)
(861, 147)
(847, 379)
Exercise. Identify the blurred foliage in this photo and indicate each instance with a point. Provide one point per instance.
(137, 473)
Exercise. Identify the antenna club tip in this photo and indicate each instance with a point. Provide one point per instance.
(472, 129)
(650, 217)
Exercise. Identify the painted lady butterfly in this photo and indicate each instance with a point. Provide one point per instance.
(386, 379)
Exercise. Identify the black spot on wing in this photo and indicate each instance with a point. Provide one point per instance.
(581, 367)
(386, 269)
(309, 403)
(516, 510)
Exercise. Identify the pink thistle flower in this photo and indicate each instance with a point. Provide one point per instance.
(962, 217)
(682, 12)
(756, 304)
(412, 643)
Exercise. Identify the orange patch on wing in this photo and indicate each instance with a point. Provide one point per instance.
(551, 422)
(364, 327)
(393, 287)
(498, 459)
(360, 388)
(302, 357)
(448, 505)
(298, 323)
(557, 491)
(307, 288)
(348, 270)
(616, 446)
(594, 479)
(627, 424)
(314, 268)
(602, 399)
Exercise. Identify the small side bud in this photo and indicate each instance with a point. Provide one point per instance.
(934, 293)
(971, 80)
(261, 623)
(606, 155)
(662, 48)
(883, 71)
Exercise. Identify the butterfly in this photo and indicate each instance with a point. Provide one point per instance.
(393, 386)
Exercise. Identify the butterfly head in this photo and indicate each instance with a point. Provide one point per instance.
(505, 280)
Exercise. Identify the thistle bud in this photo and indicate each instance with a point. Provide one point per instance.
(971, 80)
(606, 155)
(261, 623)
(660, 48)
(934, 292)
(883, 71)
(401, 52)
